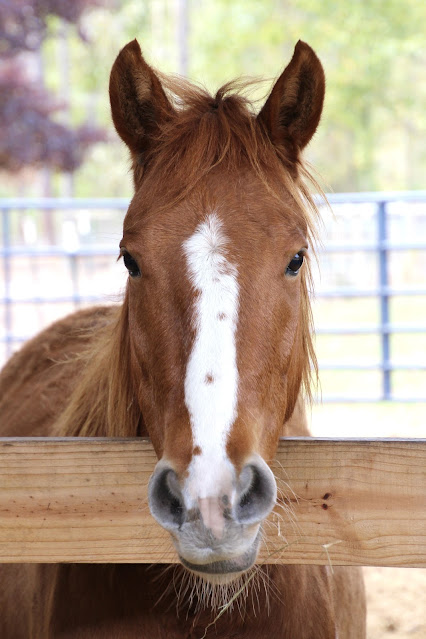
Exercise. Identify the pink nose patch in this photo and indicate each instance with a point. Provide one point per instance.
(211, 510)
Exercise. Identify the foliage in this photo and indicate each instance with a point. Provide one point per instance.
(374, 123)
(374, 57)
(29, 133)
(23, 23)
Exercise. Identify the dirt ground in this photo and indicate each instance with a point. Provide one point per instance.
(396, 603)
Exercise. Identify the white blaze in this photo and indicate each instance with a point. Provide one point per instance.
(211, 381)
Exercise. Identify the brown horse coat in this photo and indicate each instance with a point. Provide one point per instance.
(120, 601)
(214, 177)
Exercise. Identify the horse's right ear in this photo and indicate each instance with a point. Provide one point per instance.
(138, 101)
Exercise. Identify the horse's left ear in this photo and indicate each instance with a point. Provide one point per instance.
(293, 109)
(138, 101)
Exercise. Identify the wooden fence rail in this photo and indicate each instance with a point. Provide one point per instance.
(360, 502)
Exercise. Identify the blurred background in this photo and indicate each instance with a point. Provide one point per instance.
(65, 184)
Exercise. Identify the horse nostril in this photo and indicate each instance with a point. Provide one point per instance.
(257, 492)
(165, 498)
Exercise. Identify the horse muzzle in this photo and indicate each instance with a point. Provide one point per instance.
(216, 533)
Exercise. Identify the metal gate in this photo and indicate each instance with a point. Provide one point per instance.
(68, 234)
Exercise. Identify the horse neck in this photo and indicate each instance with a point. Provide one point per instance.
(103, 402)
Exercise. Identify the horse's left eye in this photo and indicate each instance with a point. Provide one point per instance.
(294, 265)
(131, 265)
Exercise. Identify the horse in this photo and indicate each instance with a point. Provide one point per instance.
(209, 355)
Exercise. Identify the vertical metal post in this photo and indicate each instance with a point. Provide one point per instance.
(182, 27)
(384, 300)
(74, 280)
(7, 278)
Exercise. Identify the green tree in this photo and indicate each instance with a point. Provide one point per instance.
(373, 52)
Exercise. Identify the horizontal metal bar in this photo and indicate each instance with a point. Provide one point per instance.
(369, 330)
(318, 331)
(381, 366)
(376, 197)
(343, 399)
(54, 300)
(338, 247)
(373, 197)
(376, 292)
(342, 332)
(64, 203)
(57, 251)
(332, 293)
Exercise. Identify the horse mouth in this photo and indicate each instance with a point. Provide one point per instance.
(224, 567)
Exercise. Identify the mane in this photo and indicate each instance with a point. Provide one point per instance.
(205, 132)
(104, 401)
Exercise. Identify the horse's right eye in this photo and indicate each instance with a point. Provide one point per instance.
(131, 265)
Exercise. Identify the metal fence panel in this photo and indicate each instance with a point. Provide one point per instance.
(95, 243)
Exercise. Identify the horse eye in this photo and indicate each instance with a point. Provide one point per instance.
(131, 265)
(294, 265)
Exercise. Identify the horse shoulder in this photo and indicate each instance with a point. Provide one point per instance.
(35, 381)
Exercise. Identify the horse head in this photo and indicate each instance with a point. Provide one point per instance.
(216, 242)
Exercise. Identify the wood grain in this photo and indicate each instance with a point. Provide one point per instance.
(360, 502)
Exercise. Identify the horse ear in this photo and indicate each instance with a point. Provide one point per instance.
(138, 101)
(293, 109)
